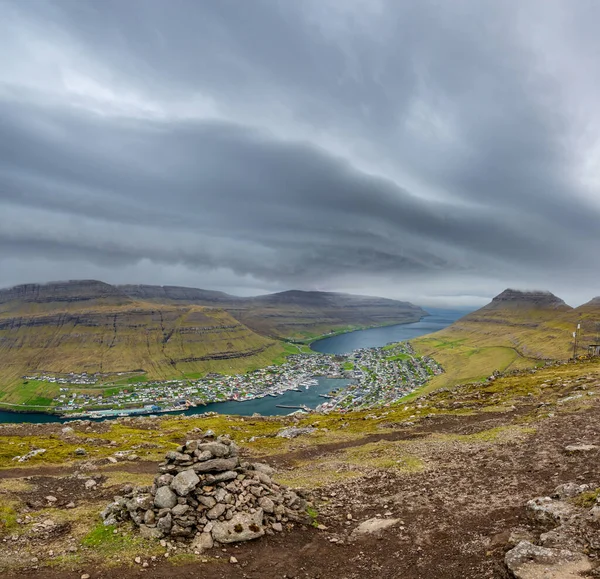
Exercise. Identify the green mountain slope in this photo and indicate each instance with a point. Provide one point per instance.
(517, 329)
(74, 328)
(291, 314)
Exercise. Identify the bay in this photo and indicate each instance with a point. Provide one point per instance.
(378, 337)
(341, 344)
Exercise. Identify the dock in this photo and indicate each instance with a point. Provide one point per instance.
(301, 407)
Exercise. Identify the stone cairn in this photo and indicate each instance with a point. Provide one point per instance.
(206, 495)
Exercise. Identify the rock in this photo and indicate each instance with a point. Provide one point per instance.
(202, 542)
(185, 482)
(150, 532)
(233, 560)
(179, 510)
(264, 468)
(51, 499)
(165, 498)
(277, 527)
(216, 511)
(217, 449)
(80, 452)
(209, 502)
(580, 447)
(217, 464)
(90, 484)
(85, 576)
(70, 505)
(242, 527)
(545, 509)
(68, 430)
(374, 526)
(294, 431)
(165, 524)
(266, 504)
(569, 490)
(528, 561)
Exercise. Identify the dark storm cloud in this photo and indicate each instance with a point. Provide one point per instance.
(397, 147)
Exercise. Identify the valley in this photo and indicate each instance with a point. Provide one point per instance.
(122, 336)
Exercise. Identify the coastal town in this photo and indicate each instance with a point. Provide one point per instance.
(374, 376)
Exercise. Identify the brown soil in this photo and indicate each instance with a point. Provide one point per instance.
(456, 514)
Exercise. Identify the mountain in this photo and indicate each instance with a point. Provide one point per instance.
(175, 294)
(516, 329)
(589, 317)
(67, 295)
(166, 332)
(290, 314)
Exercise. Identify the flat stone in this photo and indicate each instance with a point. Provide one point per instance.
(580, 447)
(241, 527)
(165, 498)
(217, 464)
(185, 482)
(374, 526)
(294, 431)
(528, 561)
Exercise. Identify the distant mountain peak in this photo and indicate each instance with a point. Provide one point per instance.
(527, 298)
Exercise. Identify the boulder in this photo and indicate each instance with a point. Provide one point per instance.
(528, 561)
(241, 527)
(294, 431)
(374, 526)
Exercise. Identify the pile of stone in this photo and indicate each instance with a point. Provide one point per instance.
(206, 495)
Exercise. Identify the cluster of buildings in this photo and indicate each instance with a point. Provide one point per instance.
(381, 376)
(378, 376)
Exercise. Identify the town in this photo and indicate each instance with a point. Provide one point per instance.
(377, 376)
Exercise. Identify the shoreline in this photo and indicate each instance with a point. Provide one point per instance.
(361, 329)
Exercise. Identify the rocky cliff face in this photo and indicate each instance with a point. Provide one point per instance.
(174, 294)
(60, 294)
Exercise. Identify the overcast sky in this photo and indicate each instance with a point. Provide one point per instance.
(437, 151)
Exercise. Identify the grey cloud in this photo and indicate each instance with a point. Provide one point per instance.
(313, 144)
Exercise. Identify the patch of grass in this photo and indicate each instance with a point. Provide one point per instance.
(385, 455)
(587, 499)
(182, 559)
(8, 518)
(15, 485)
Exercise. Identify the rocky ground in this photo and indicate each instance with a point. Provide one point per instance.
(441, 488)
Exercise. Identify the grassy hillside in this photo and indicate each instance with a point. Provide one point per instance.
(163, 341)
(299, 315)
(516, 330)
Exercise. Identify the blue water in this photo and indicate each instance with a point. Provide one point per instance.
(377, 337)
(342, 344)
(266, 406)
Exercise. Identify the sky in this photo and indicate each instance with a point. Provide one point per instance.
(426, 150)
